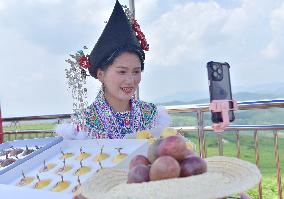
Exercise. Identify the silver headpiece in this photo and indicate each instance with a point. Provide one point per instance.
(76, 76)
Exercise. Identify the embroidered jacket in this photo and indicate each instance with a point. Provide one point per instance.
(102, 122)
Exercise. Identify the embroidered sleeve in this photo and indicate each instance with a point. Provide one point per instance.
(91, 121)
(149, 112)
(93, 124)
(164, 120)
(68, 131)
(72, 131)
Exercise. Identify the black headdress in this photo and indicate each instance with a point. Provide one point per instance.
(117, 37)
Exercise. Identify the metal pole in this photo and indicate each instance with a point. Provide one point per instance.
(132, 9)
(238, 144)
(200, 132)
(220, 144)
(277, 161)
(257, 159)
(1, 128)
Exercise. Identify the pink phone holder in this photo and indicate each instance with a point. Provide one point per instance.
(223, 107)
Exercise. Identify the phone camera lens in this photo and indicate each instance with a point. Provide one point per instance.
(214, 67)
(215, 74)
(219, 70)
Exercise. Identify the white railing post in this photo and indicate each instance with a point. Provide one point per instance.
(132, 9)
(1, 128)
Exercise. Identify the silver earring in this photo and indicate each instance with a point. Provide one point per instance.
(103, 87)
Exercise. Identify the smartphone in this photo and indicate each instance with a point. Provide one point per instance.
(220, 87)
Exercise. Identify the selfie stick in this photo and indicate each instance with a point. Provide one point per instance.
(223, 107)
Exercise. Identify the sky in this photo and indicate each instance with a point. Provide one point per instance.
(37, 37)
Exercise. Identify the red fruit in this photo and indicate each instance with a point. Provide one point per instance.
(138, 159)
(138, 174)
(193, 165)
(174, 146)
(189, 153)
(164, 167)
(153, 151)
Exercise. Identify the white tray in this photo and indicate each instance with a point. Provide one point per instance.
(32, 166)
(43, 143)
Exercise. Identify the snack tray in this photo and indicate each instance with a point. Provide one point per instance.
(53, 155)
(42, 143)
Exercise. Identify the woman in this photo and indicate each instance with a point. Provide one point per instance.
(117, 61)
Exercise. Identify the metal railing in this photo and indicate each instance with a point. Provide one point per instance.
(200, 109)
(201, 130)
(237, 129)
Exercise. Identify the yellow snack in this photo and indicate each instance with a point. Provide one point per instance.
(47, 167)
(152, 140)
(101, 156)
(144, 135)
(168, 132)
(50, 166)
(76, 190)
(25, 181)
(64, 169)
(42, 183)
(119, 157)
(66, 155)
(82, 170)
(60, 186)
(83, 155)
(101, 167)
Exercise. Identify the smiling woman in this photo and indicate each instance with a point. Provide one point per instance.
(117, 61)
(120, 80)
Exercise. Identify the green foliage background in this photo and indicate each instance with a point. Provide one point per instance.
(266, 144)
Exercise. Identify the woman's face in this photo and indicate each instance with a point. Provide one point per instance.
(122, 77)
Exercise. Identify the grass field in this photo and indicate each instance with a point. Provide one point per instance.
(267, 158)
(266, 149)
(9, 137)
(30, 127)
